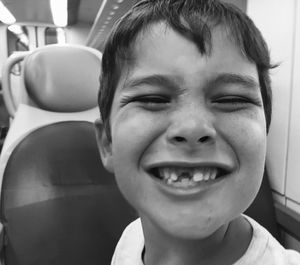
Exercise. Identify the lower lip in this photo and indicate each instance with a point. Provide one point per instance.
(192, 190)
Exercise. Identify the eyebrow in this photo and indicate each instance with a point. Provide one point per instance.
(231, 78)
(153, 80)
(169, 82)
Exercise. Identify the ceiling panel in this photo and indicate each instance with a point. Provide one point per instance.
(88, 10)
(28, 11)
(108, 13)
(38, 11)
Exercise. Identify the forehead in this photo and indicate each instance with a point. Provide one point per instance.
(159, 46)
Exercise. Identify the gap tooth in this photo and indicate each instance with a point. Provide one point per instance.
(185, 176)
(185, 180)
(180, 171)
(177, 184)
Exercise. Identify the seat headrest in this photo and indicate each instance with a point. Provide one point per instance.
(63, 78)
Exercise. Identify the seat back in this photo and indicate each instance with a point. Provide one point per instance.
(58, 204)
(262, 208)
(58, 82)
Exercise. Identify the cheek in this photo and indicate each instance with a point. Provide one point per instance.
(247, 136)
(134, 130)
(132, 133)
(249, 140)
(253, 141)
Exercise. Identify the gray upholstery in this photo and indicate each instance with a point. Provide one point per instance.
(59, 205)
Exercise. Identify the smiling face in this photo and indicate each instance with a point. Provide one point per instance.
(188, 133)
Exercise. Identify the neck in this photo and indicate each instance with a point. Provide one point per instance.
(224, 246)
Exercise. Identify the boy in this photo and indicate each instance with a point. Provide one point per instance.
(185, 103)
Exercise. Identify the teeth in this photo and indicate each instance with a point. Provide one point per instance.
(198, 176)
(187, 176)
(214, 174)
(206, 175)
(169, 181)
(173, 176)
(164, 173)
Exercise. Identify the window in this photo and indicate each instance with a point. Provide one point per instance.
(17, 41)
(54, 35)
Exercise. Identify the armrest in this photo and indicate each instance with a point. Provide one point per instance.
(288, 219)
(6, 86)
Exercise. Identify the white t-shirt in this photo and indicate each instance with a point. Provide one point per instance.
(264, 249)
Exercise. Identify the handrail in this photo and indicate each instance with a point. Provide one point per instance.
(6, 85)
(1, 242)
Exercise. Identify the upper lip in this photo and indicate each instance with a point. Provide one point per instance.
(183, 164)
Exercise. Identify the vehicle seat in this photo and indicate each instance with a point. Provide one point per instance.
(58, 204)
(57, 83)
(54, 191)
(262, 208)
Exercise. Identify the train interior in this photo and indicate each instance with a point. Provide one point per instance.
(60, 206)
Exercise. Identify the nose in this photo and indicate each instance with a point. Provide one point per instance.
(192, 130)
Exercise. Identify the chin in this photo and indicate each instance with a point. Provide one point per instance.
(190, 228)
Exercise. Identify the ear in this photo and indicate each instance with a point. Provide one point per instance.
(104, 146)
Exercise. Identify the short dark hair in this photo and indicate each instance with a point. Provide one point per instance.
(195, 20)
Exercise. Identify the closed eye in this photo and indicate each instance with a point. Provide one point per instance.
(147, 101)
(233, 100)
(152, 99)
(236, 102)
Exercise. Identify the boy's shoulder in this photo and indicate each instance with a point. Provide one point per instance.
(264, 249)
(130, 246)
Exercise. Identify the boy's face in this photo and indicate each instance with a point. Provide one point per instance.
(179, 118)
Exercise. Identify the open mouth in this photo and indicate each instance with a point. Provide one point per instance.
(185, 177)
